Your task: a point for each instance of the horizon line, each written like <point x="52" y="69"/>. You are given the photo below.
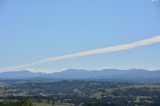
<point x="121" y="47"/>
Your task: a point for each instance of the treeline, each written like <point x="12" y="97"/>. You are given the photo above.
<point x="23" y="102"/>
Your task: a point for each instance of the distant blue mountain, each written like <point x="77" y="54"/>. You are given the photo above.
<point x="132" y="75"/>
<point x="23" y="74"/>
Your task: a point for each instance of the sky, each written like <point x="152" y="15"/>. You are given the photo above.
<point x="36" y="30"/>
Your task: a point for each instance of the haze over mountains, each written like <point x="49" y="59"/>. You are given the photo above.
<point x="132" y="75"/>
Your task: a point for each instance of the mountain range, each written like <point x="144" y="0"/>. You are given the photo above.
<point x="132" y="75"/>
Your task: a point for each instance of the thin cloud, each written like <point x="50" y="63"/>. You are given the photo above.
<point x="122" y="47"/>
<point x="155" y="0"/>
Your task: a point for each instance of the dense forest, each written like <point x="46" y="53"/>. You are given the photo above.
<point x="78" y="93"/>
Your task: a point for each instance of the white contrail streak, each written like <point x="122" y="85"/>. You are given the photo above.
<point x="122" y="47"/>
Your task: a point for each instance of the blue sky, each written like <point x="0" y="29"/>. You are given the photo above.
<point x="37" y="29"/>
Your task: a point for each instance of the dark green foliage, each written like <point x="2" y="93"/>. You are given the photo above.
<point x="24" y="103"/>
<point x="86" y="93"/>
<point x="18" y="103"/>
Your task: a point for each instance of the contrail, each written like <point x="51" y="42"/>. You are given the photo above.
<point x="122" y="47"/>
